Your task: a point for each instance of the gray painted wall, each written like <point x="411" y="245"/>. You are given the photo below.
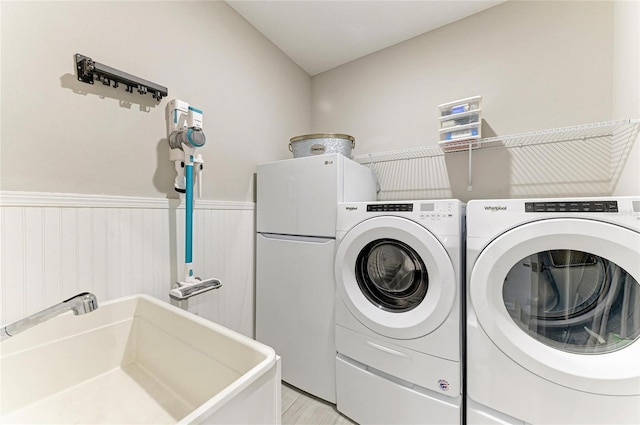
<point x="537" y="64"/>
<point x="62" y="135"/>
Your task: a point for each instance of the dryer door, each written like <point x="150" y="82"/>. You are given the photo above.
<point x="395" y="277"/>
<point x="561" y="298"/>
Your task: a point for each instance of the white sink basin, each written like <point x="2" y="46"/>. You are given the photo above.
<point x="137" y="360"/>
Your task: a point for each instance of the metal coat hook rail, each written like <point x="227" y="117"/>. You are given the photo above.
<point x="89" y="71"/>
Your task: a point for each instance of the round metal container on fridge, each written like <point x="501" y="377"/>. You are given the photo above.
<point x="319" y="144"/>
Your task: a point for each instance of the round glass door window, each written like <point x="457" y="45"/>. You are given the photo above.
<point x="391" y="275"/>
<point x="574" y="301"/>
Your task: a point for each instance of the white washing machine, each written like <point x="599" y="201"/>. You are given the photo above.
<point x="399" y="285"/>
<point x="553" y="317"/>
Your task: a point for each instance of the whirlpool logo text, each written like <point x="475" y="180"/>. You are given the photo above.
<point x="495" y="208"/>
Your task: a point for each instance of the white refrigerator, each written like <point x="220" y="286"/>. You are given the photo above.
<point x="295" y="248"/>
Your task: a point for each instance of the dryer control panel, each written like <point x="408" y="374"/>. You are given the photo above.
<point x="572" y="206"/>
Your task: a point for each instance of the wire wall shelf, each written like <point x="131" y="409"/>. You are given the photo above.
<point x="566" y="158"/>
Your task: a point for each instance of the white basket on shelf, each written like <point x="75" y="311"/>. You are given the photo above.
<point x="460" y="124"/>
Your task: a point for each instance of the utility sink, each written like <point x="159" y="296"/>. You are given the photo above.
<point x="137" y="360"/>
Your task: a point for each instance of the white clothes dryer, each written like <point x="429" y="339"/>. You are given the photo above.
<point x="553" y="317"/>
<point x="399" y="287"/>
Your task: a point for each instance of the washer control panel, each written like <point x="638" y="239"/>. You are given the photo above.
<point x="389" y="207"/>
<point x="572" y="206"/>
<point x="440" y="210"/>
<point x="427" y="210"/>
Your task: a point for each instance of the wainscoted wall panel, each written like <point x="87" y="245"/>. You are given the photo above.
<point x="232" y="262"/>
<point x="57" y="245"/>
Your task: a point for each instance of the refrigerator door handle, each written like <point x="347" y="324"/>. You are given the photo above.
<point x="296" y="238"/>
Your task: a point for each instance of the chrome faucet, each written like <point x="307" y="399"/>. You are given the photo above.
<point x="79" y="304"/>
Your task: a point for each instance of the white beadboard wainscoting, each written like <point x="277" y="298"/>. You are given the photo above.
<point x="54" y="246"/>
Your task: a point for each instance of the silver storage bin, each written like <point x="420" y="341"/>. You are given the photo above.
<point x="318" y="144"/>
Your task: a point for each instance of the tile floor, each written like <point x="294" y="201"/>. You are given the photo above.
<point x="299" y="407"/>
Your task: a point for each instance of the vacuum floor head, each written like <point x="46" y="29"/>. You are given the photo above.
<point x="186" y="290"/>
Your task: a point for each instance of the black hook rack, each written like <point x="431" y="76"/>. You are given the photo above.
<point x="88" y="71"/>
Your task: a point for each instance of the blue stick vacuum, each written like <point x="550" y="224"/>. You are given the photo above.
<point x="185" y="136"/>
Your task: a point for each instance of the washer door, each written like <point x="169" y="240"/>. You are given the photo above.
<point x="561" y="298"/>
<point x="395" y="277"/>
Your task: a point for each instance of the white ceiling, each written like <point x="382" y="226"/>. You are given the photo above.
<point x="322" y="34"/>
